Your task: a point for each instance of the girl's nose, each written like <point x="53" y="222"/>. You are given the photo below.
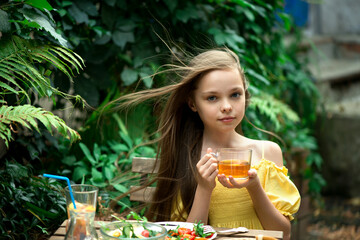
<point x="226" y="107"/>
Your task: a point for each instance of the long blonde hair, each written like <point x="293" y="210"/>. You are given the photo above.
<point x="181" y="130"/>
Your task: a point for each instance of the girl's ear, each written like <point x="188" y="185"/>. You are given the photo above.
<point x="192" y="105"/>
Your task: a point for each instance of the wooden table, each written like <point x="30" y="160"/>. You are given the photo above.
<point x="60" y="233"/>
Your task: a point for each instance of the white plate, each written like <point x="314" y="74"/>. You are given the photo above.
<point x="173" y="225"/>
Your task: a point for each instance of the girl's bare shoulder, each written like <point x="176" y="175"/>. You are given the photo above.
<point x="268" y="150"/>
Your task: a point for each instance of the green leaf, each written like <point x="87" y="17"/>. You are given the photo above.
<point x="121" y="188"/>
<point x="125" y="25"/>
<point x="88" y="7"/>
<point x="97" y="152"/>
<point x="121" y="38"/>
<point x="146" y="79"/>
<point x="120" y="148"/>
<point x="286" y="20"/>
<point x="129" y="76"/>
<point x="111" y="2"/>
<point x="249" y="15"/>
<point x="3" y="85"/>
<point x="70" y="58"/>
<point x="227" y="37"/>
<point x="44" y="22"/>
<point x="40" y="4"/>
<point x="96" y="175"/>
<point x="66" y="3"/>
<point x="171" y="4"/>
<point x="79" y="172"/>
<point x="245" y="4"/>
<point x="5" y="25"/>
<point x="185" y="14"/>
<point x="79" y="15"/>
<point x="127" y="139"/>
<point x="98" y="183"/>
<point x="69" y="160"/>
<point x="273" y="108"/>
<point x="120" y="123"/>
<point x="108" y="172"/>
<point x="87" y="153"/>
<point x="257" y="76"/>
<point x="145" y="74"/>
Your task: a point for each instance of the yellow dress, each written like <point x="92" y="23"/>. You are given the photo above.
<point x="233" y="207"/>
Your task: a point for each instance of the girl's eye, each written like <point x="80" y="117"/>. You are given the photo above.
<point x="235" y="95"/>
<point x="211" y="98"/>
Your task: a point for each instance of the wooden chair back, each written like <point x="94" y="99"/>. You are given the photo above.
<point x="144" y="166"/>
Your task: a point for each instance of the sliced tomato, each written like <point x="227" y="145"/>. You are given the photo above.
<point x="188" y="236"/>
<point x="145" y="233"/>
<point x="183" y="231"/>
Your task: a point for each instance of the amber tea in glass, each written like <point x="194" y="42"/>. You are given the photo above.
<point x="234" y="162"/>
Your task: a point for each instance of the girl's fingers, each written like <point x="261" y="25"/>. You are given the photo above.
<point x="206" y="157"/>
<point x="207" y="166"/>
<point x="208" y="169"/>
<point x="231" y="182"/>
<point x="214" y="174"/>
<point x="238" y="183"/>
<point x="252" y="173"/>
<point x="223" y="180"/>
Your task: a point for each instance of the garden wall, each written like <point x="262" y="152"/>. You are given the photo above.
<point x="339" y="143"/>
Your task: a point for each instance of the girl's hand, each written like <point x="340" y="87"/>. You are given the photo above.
<point x="252" y="181"/>
<point x="207" y="169"/>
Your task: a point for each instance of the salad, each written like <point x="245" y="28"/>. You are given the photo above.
<point x="140" y="228"/>
<point x="131" y="230"/>
<point x="143" y="229"/>
<point x="183" y="233"/>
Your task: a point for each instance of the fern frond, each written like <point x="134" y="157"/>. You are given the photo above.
<point x="72" y="56"/>
<point x="27" y="115"/>
<point x="26" y="71"/>
<point x="49" y="57"/>
<point x="6" y="86"/>
<point x="18" y="59"/>
<point x="273" y="108"/>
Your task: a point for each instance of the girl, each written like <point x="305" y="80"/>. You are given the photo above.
<point x="202" y="113"/>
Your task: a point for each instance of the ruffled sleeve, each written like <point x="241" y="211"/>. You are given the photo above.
<point x="281" y="191"/>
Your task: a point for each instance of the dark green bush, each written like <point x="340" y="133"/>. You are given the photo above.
<point x="30" y="206"/>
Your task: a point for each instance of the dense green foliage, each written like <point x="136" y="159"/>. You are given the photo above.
<point x="29" y="205"/>
<point x="122" y="43"/>
<point x="25" y="67"/>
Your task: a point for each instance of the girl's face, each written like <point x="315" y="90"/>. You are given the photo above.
<point x="220" y="100"/>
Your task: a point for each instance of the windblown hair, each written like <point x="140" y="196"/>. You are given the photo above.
<point x="181" y="131"/>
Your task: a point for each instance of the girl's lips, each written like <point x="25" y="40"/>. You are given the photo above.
<point x="227" y="119"/>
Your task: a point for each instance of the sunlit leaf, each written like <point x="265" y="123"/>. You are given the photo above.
<point x="46" y="23"/>
<point x="129" y="76"/>
<point x="40" y="4"/>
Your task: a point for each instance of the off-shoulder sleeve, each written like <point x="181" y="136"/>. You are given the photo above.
<point x="281" y="191"/>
